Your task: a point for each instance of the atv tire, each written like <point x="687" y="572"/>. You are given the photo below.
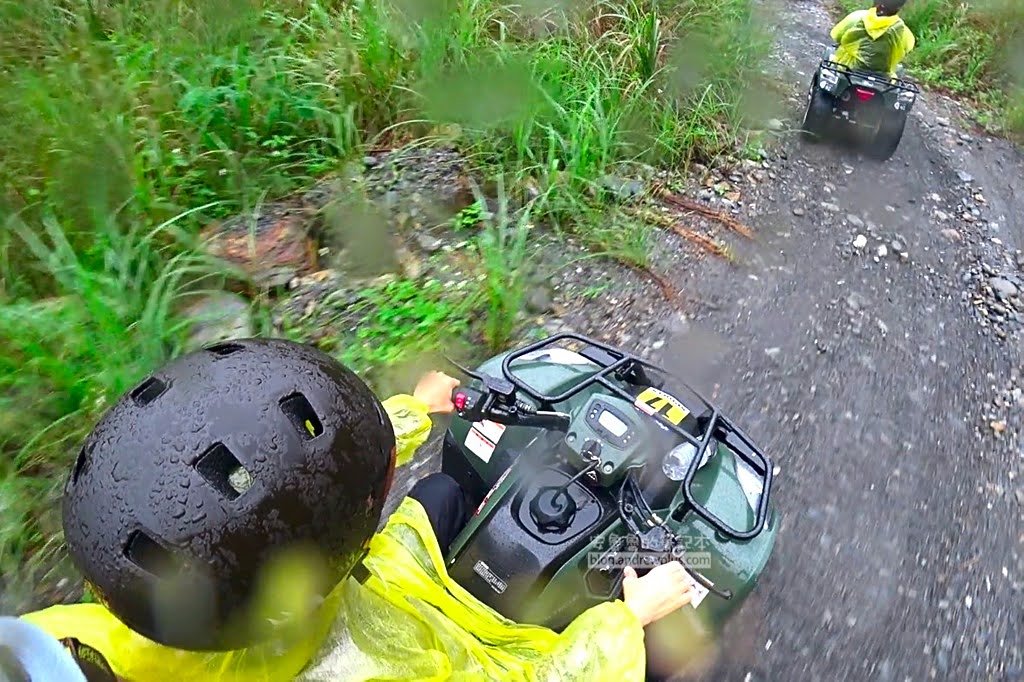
<point x="888" y="137"/>
<point x="819" y="112"/>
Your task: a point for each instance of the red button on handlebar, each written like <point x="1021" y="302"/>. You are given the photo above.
<point x="460" y="401"/>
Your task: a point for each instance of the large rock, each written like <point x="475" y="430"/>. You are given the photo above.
<point x="359" y="239"/>
<point x="415" y="186"/>
<point x="217" y="316"/>
<point x="272" y="246"/>
<point x="1003" y="288"/>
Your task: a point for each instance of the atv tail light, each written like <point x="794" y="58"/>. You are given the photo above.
<point x="460" y="401"/>
<point x="863" y="94"/>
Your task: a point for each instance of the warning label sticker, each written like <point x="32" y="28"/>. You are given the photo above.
<point x="490" y="577"/>
<point x="483" y="438"/>
<point x="492" y="431"/>
<point x="699" y="591"/>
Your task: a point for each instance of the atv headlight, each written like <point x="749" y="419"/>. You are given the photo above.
<point x="751" y="482"/>
<point x="677" y="461"/>
<point x="828" y="79"/>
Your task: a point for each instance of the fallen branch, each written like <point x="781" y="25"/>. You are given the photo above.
<point x="705" y="242"/>
<point x="666" y="222"/>
<point x="690" y="205"/>
<point x="667" y="290"/>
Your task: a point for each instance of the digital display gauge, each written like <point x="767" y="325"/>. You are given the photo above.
<point x="614" y="425"/>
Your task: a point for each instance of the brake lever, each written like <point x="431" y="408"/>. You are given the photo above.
<point x="468" y="372"/>
<point x="497" y="385"/>
<point x="705" y="582"/>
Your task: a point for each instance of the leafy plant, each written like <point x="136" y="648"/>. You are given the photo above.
<point x="400" y="319"/>
<point x="596" y="290"/>
<point x="504" y="258"/>
<point x="470" y="216"/>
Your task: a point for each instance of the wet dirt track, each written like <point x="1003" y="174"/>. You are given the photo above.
<point x="902" y="551"/>
<point x="901" y="555"/>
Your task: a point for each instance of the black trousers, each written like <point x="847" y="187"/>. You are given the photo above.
<point x="442" y="499"/>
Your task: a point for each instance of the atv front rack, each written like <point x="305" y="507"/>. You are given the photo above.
<point x="633" y="370"/>
<point x="885" y="83"/>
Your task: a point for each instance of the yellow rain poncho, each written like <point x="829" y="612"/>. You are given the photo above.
<point x="872" y="43"/>
<point x="407" y="621"/>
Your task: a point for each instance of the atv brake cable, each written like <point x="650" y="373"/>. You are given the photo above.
<point x="627" y="509"/>
<point x="582" y="472"/>
<point x="649" y="516"/>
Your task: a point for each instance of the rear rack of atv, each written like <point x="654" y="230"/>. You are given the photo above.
<point x="628" y="368"/>
<point x="887" y="83"/>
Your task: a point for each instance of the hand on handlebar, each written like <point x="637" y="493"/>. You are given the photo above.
<point x="657" y="594"/>
<point x="435" y="391"/>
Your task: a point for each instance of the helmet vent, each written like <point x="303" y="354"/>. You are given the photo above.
<point x="224" y="472"/>
<point x="302" y="416"/>
<point x="149" y="555"/>
<point x="80" y="462"/>
<point x="148" y="391"/>
<point x="226" y="348"/>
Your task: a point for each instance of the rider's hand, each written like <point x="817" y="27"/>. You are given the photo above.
<point x="435" y="391"/>
<point x="659" y="593"/>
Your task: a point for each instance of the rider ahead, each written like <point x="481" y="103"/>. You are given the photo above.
<point x="224" y="514"/>
<point x="874" y="39"/>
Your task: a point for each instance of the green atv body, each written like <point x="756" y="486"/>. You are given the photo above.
<point x="524" y="556"/>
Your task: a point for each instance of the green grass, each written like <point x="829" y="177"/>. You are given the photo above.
<point x="391" y="322"/>
<point x="128" y="127"/>
<point x="970" y="49"/>
<point x="64" y="358"/>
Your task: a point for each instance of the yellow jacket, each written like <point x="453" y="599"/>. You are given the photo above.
<point x="408" y="621"/>
<point x="872" y="43"/>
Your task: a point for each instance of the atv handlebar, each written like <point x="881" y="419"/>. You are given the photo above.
<point x="498" y="402"/>
<point x="503" y="408"/>
<point x="474" y="406"/>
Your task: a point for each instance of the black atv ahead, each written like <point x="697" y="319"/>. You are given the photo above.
<point x="871" y="106"/>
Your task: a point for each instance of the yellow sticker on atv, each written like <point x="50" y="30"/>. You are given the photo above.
<point x="655" y="401"/>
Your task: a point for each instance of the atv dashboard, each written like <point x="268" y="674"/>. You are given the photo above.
<point x="607" y="436"/>
<point x="605" y="432"/>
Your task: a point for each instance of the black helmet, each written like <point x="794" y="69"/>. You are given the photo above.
<point x="890" y="7"/>
<point x="212" y="467"/>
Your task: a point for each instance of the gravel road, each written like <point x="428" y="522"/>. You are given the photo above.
<point x="888" y="388"/>
<point x="869" y="339"/>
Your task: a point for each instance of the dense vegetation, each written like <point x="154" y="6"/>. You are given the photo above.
<point x="973" y="49"/>
<point x="128" y="126"/>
